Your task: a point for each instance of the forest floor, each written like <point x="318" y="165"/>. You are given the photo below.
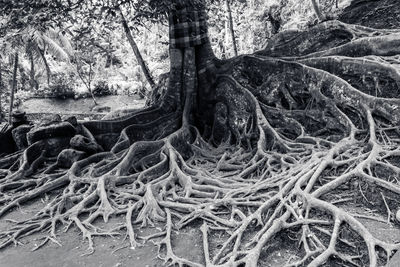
<point x="115" y="251"/>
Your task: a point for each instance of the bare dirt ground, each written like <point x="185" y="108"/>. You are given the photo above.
<point x="115" y="251"/>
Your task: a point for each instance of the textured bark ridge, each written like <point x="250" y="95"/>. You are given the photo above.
<point x="300" y="132"/>
<point x="378" y="14"/>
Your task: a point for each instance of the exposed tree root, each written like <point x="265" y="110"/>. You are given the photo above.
<point x="305" y="132"/>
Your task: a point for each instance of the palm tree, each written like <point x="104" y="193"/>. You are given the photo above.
<point x="28" y="48"/>
<point x="51" y="42"/>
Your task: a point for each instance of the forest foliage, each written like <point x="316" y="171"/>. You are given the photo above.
<point x="71" y="48"/>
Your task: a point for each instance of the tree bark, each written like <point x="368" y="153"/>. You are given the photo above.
<point x="274" y="18"/>
<point x="289" y="137"/>
<point x="46" y="64"/>
<point x="136" y="51"/>
<point x="230" y="24"/>
<point x="14" y="87"/>
<point x="1" y="91"/>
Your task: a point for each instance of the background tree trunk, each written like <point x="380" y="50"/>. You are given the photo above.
<point x="1" y="91"/>
<point x="318" y="12"/>
<point x="226" y="39"/>
<point x="32" y="71"/>
<point x="136" y="51"/>
<point x="230" y="25"/>
<point x="14" y="87"/>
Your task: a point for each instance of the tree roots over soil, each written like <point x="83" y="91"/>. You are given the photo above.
<point x="294" y="142"/>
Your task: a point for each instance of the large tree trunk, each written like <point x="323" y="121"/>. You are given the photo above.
<point x="136" y="51"/>
<point x="13" y="87"/>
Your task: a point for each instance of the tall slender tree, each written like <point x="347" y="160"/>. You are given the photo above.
<point x="13" y="87"/>
<point x="136" y="50"/>
<point x="317" y="10"/>
<point x="229" y="22"/>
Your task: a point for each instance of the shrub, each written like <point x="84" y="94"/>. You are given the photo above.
<point x="102" y="88"/>
<point x="62" y="86"/>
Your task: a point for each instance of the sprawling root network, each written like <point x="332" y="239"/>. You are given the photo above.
<point x="315" y="135"/>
